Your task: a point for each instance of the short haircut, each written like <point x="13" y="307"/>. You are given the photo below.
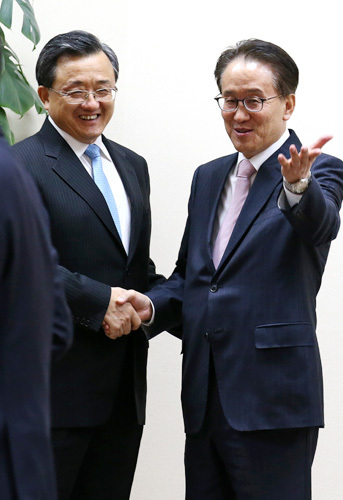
<point x="73" y="43"/>
<point x="284" y="69"/>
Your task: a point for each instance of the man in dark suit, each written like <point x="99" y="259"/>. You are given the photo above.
<point x="35" y="325"/>
<point x="252" y="382"/>
<point x="102" y="235"/>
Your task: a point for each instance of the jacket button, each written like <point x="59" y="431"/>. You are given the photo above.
<point x="206" y="336"/>
<point x="214" y="288"/>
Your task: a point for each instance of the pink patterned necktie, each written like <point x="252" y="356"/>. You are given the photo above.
<point x="245" y="171"/>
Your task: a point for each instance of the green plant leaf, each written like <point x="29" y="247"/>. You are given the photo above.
<point x="6" y="62"/>
<point x="6" y="11"/>
<point x="30" y="26"/>
<point x="2" y="61"/>
<point x="6" y="48"/>
<point x="5" y="127"/>
<point x="15" y="91"/>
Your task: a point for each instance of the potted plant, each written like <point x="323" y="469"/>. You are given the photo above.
<point x="15" y="91"/>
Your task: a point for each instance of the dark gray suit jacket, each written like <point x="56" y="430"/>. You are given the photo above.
<point x="86" y="381"/>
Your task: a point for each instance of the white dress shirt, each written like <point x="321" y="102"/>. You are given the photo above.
<point x="113" y="177"/>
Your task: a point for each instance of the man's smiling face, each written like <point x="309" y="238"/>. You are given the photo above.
<point x="251" y="133"/>
<point x="86" y="121"/>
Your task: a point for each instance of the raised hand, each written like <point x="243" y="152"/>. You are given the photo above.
<point x="299" y="164"/>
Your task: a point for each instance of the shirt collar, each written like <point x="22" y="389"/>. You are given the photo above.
<point x="77" y="146"/>
<point x="260" y="158"/>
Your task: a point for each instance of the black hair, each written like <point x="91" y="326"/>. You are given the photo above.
<point x="285" y="71"/>
<point x="73" y="43"/>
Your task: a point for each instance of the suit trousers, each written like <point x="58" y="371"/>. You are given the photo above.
<point x="99" y="462"/>
<point x="222" y="463"/>
<point x="95" y="463"/>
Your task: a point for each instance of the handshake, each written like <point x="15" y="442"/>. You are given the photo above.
<point x="126" y="311"/>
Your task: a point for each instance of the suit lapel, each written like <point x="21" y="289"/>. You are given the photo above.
<point x="212" y="195"/>
<point x="66" y="165"/>
<point x="267" y="179"/>
<point x="133" y="190"/>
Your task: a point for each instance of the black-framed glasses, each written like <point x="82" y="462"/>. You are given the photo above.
<point x="80" y="96"/>
<point x="253" y="104"/>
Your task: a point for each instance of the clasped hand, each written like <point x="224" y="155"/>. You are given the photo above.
<point x="126" y="311"/>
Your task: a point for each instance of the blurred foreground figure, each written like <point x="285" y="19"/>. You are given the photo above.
<point x="35" y="326"/>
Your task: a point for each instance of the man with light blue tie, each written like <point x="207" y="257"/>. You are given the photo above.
<point x="97" y="195"/>
<point x="260" y="223"/>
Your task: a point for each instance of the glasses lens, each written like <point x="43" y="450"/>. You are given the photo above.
<point x="253" y="104"/>
<point x="76" y="96"/>
<point x="227" y="103"/>
<point x="102" y="95"/>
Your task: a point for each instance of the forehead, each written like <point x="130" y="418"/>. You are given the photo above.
<point x="84" y="69"/>
<point x="248" y="76"/>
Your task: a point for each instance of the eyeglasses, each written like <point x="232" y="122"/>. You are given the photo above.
<point x="253" y="104"/>
<point x="80" y="96"/>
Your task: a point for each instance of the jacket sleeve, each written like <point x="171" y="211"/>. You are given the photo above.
<point x="62" y="321"/>
<point x="316" y="217"/>
<point x="88" y="299"/>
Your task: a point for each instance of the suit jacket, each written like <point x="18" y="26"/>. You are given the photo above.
<point x="34" y="324"/>
<point x="86" y="381"/>
<point x="256" y="312"/>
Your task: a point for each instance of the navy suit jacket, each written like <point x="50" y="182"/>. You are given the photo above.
<point x="35" y="324"/>
<point x="92" y="259"/>
<point x="257" y="311"/>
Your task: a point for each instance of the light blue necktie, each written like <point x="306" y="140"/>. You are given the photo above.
<point x="100" y="179"/>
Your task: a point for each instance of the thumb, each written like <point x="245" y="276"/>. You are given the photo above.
<point x="126" y="296"/>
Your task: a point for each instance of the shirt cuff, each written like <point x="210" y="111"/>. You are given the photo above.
<point x="287" y="199"/>
<point x="149" y="323"/>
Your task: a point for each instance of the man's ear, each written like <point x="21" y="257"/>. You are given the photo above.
<point x="289" y="106"/>
<point x="43" y="93"/>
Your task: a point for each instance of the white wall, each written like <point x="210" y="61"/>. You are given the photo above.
<point x="165" y="111"/>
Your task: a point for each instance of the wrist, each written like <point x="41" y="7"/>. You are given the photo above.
<point x="149" y="317"/>
<point x="299" y="186"/>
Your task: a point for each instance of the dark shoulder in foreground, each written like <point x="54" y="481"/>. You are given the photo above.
<point x="13" y="175"/>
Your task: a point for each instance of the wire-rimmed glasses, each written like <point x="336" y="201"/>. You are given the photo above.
<point x="81" y="96"/>
<point x="252" y="104"/>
